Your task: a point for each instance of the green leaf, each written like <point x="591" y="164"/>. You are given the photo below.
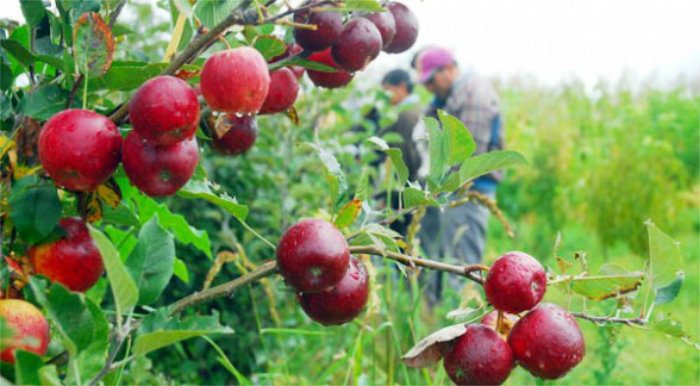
<point x="437" y="147"/>
<point x="665" y="259"/>
<point x="348" y="214"/>
<point x="27" y="367"/>
<point x="93" y="45"/>
<point x="667" y="293"/>
<point x="43" y="102"/>
<point x="396" y="158"/>
<point x="488" y="162"/>
<point x="336" y="178"/>
<point x="71" y="316"/>
<point x="269" y="46"/>
<point x="124" y="289"/>
<point x="460" y="143"/>
<point x="213" y="12"/>
<point x="401" y="169"/>
<point x="17" y="50"/>
<point x="309" y="64"/>
<point x="174" y="222"/>
<point x="151" y="262"/>
<point x="362" y="192"/>
<point x="49" y="376"/>
<point x="362" y="5"/>
<point x="33" y="11"/>
<point x="158" y="330"/>
<point x="612" y="282"/>
<point x="206" y="190"/>
<point x="181" y="271"/>
<point x="413" y="196"/>
<point x="34" y="208"/>
<point x="91" y="360"/>
<point x="670" y="327"/>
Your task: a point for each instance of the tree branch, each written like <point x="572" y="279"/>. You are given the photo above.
<point x="225" y="289"/>
<point x="610" y="319"/>
<point x="468" y="271"/>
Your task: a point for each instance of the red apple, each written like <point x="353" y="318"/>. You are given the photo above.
<point x="29" y="326"/>
<point x="335" y="79"/>
<point x="159" y="170"/>
<point x="328" y="24"/>
<point x="313" y="255"/>
<point x="239" y="137"/>
<point x="165" y="110"/>
<point x="547" y="342"/>
<point x="385" y="23"/>
<point x="343" y="302"/>
<point x="284" y="88"/>
<point x="406" y="28"/>
<point x="358" y="44"/>
<point x="79" y="149"/>
<point x="479" y="357"/>
<point x="235" y="81"/>
<point x="516" y="282"/>
<point x="73" y="260"/>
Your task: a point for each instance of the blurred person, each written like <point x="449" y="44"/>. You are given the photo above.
<point x="399" y="85"/>
<point x="459" y="233"/>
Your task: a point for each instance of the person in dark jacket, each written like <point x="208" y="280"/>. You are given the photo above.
<point x="459" y="233"/>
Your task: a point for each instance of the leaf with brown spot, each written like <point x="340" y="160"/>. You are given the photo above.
<point x="27" y="139"/>
<point x="89" y="206"/>
<point x="93" y="45"/>
<point x="293" y="114"/>
<point x="109" y="193"/>
<point x="348" y="213"/>
<point x="431" y="348"/>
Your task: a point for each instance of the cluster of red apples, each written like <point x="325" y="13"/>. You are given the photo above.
<point x="332" y="286"/>
<point x="81" y="149"/>
<point x="546" y="340"/>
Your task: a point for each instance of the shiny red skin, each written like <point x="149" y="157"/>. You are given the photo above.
<point x="29" y="326"/>
<point x="165" y="110"/>
<point x="235" y="81"/>
<point x="159" y="170"/>
<point x="547" y="342"/>
<point x="336" y="79"/>
<point x="79" y="149"/>
<point x="516" y="282"/>
<point x="385" y="23"/>
<point x="239" y="138"/>
<point x="479" y="357"/>
<point x="292" y="49"/>
<point x="342" y="303"/>
<point x="312" y="255"/>
<point x="284" y="88"/>
<point x="358" y="44"/>
<point x="507" y="322"/>
<point x="329" y="25"/>
<point x="406" y="28"/>
<point x="73" y="260"/>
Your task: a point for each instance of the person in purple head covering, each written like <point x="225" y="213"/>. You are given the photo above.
<point x="459" y="233"/>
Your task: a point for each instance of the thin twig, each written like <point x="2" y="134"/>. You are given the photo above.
<point x="115" y="13"/>
<point x="225" y="289"/>
<point x="468" y="271"/>
<point x="610" y="319"/>
<point x="76" y="85"/>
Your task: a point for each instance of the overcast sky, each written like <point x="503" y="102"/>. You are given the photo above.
<point x="553" y="40"/>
